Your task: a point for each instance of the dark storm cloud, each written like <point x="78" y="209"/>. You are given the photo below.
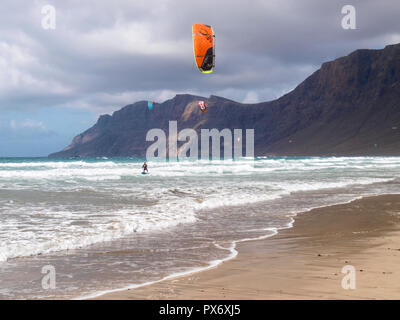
<point x="105" y="54"/>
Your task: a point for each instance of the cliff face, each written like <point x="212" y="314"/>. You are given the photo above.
<point x="350" y="106"/>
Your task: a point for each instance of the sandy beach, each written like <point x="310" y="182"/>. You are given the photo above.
<point x="304" y="262"/>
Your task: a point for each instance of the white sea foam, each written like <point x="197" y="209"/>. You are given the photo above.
<point x="49" y="206"/>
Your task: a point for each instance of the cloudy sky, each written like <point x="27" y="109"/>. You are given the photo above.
<point x="103" y="55"/>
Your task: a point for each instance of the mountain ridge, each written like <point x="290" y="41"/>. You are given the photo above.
<point x="348" y="107"/>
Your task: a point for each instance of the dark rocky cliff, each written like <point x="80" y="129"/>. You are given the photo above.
<point x="350" y="106"/>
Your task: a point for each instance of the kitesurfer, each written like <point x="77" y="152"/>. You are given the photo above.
<point x="145" y="167"/>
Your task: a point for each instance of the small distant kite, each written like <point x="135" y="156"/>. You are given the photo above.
<point x="150" y="104"/>
<point x="203" y="47"/>
<point x="202" y="106"/>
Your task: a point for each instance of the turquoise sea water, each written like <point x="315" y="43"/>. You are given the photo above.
<point x="104" y="226"/>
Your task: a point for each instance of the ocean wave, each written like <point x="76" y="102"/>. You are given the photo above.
<point x="50" y="206"/>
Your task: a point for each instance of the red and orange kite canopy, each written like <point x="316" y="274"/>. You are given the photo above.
<point x="202" y="106"/>
<point x="203" y="47"/>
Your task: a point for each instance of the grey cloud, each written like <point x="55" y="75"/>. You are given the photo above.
<point x="24" y="130"/>
<point x="105" y="53"/>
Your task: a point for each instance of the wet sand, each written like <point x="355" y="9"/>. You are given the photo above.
<point x="304" y="262"/>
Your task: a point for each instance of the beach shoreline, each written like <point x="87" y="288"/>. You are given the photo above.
<point x="302" y="262"/>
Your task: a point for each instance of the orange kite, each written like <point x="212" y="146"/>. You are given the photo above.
<point x="203" y="47"/>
